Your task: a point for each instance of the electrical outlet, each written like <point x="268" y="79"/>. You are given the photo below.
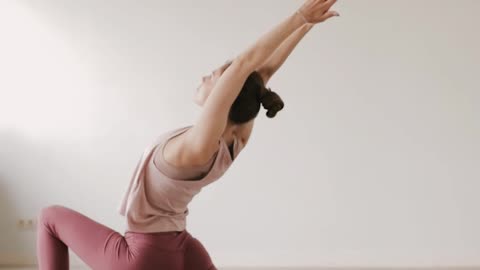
<point x="27" y="224"/>
<point x="30" y="225"/>
<point x="20" y="224"/>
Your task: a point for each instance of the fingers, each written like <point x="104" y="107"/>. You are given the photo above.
<point x="328" y="15"/>
<point x="319" y="10"/>
<point x="328" y="4"/>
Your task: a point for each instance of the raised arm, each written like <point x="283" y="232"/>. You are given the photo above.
<point x="278" y="58"/>
<point x="281" y="54"/>
<point x="204" y="136"/>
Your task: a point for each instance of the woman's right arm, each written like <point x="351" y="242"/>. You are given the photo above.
<point x="260" y="51"/>
<point x="313" y="11"/>
<point x="204" y="136"/>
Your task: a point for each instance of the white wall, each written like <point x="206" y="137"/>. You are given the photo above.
<point x="373" y="161"/>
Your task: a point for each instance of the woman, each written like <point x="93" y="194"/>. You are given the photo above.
<point x="178" y="164"/>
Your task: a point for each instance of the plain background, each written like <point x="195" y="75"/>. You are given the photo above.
<point x="374" y="159"/>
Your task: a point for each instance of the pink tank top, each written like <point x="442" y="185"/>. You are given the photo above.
<point x="157" y="197"/>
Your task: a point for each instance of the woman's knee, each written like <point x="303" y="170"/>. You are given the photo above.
<point x="48" y="213"/>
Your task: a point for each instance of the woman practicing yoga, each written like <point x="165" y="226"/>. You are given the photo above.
<point x="179" y="163"/>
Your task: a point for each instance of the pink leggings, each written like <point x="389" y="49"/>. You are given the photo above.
<point x="101" y="248"/>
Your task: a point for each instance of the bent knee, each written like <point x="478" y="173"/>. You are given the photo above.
<point x="48" y="213"/>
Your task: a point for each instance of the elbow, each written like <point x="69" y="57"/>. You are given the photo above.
<point x="243" y="59"/>
<point x="250" y="59"/>
<point x="255" y="56"/>
<point x="244" y="63"/>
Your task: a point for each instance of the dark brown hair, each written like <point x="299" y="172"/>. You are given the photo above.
<point x="253" y="94"/>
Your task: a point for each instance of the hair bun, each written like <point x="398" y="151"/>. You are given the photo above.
<point x="272" y="102"/>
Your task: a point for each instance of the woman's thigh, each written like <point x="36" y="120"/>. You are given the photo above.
<point x="100" y="247"/>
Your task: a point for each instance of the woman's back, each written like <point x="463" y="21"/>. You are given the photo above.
<point x="159" y="193"/>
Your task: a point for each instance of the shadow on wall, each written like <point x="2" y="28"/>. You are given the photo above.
<point x="38" y="173"/>
<point x="15" y="238"/>
<point x="17" y="201"/>
<point x="10" y="239"/>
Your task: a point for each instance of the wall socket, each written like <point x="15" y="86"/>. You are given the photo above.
<point x="27" y="224"/>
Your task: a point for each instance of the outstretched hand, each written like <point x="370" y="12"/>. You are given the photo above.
<point x="316" y="11"/>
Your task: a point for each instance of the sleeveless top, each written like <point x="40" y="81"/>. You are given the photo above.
<point x="157" y="196"/>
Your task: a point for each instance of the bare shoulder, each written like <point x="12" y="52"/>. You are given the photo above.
<point x="176" y="152"/>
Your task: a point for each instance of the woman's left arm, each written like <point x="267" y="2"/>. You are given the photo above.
<point x="276" y="60"/>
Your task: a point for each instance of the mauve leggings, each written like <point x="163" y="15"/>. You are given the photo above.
<point x="102" y="248"/>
